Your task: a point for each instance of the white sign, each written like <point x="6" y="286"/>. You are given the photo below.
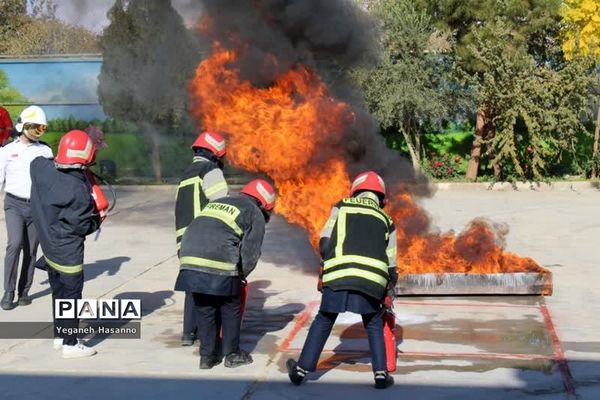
<point x="98" y="309"/>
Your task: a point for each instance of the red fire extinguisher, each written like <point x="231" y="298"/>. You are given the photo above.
<point x="100" y="200"/>
<point x="389" y="339"/>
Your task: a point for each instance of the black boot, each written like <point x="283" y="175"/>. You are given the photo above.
<point x="187" y="339"/>
<point x="209" y="362"/>
<point x="7" y="300"/>
<point x="24" y="299"/>
<point x="238" y="359"/>
<point x="383" y="380"/>
<point x="295" y="373"/>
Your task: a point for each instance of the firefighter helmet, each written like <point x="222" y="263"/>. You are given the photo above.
<point x="368" y="181"/>
<point x="212" y="141"/>
<point x="75" y="147"/>
<point x="262" y="191"/>
<point x="31" y="115"/>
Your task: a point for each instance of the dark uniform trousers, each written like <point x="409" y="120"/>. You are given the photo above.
<point x="65" y="287"/>
<point x="332" y="304"/>
<point x="22" y="235"/>
<point x="212" y="311"/>
<point x="189" y="322"/>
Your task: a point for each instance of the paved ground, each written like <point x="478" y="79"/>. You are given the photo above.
<point x="452" y="347"/>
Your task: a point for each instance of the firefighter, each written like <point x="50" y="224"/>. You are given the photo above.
<point x="15" y="160"/>
<point x="218" y="251"/>
<point x="358" y="274"/>
<point x="64" y="213"/>
<point x="201" y="182"/>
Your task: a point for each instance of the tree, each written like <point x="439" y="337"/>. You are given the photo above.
<point x="12" y="17"/>
<point x="40" y="32"/>
<point x="9" y="94"/>
<point x="406" y="91"/>
<point x="533" y="27"/>
<point x="534" y="110"/>
<point x="51" y="36"/>
<point x="581" y="37"/>
<point x="581" y="28"/>
<point x="148" y="58"/>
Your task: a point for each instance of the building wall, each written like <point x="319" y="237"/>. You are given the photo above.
<point x="64" y="86"/>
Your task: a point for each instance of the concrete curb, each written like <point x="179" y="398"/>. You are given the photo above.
<point x="580" y="186"/>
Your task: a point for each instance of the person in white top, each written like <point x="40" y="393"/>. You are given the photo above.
<point x="15" y="158"/>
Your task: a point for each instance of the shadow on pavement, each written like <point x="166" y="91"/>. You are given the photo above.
<point x="110" y="266"/>
<point x="259" y="320"/>
<point x="151" y="301"/>
<point x="523" y="385"/>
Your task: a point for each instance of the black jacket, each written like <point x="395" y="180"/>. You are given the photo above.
<point x="63" y="213"/>
<point x="355" y="256"/>
<point x="221" y="246"/>
<point x="191" y="197"/>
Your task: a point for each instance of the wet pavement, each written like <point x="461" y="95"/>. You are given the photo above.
<point x="485" y="347"/>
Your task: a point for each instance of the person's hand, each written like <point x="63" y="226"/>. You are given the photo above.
<point x="320" y="281"/>
<point x="388" y="300"/>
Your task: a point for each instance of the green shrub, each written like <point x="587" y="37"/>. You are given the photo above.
<point x="131" y="154"/>
<point x="444" y="166"/>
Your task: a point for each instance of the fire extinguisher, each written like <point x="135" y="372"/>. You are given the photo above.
<point x="101" y="203"/>
<point x="389" y="339"/>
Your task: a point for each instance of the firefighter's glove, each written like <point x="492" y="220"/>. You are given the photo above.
<point x="320" y="282"/>
<point x="388" y="300"/>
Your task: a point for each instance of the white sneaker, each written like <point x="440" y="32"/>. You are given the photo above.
<point x="77" y="351"/>
<point x="57" y="344"/>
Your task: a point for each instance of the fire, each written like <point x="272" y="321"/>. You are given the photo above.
<point x="278" y="130"/>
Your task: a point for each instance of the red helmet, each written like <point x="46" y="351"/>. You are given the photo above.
<point x="262" y="191"/>
<point x="212" y="141"/>
<point x="75" y="147"/>
<point x="368" y="181"/>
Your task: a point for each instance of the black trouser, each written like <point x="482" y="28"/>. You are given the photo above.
<point x="22" y="235"/>
<point x="208" y="309"/>
<point x="65" y="287"/>
<point x="321" y="328"/>
<point x="190" y="325"/>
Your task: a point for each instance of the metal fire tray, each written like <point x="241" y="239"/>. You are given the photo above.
<point x="512" y="283"/>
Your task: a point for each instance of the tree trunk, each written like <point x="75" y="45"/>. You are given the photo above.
<point x="490" y="132"/>
<point x="473" y="166"/>
<point x="596" y="149"/>
<point x="414" y="152"/>
<point x="153" y="136"/>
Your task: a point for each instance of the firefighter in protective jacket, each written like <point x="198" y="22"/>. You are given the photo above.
<point x="201" y="182"/>
<point x="218" y="251"/>
<point x="64" y="213"/>
<point x="358" y="249"/>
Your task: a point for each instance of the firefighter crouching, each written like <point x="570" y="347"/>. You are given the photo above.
<point x="218" y="251"/>
<point x="358" y="249"/>
<point x="201" y="182"/>
<point x="64" y="213"/>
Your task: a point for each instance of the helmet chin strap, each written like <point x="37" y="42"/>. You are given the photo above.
<point x="32" y="137"/>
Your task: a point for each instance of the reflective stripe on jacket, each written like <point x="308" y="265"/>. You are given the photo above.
<point x="224" y="241"/>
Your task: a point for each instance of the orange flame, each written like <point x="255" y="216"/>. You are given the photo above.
<point x="277" y="130"/>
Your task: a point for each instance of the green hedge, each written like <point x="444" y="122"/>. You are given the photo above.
<point x="131" y="154"/>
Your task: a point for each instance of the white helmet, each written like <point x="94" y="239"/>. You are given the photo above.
<point x="32" y="115"/>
